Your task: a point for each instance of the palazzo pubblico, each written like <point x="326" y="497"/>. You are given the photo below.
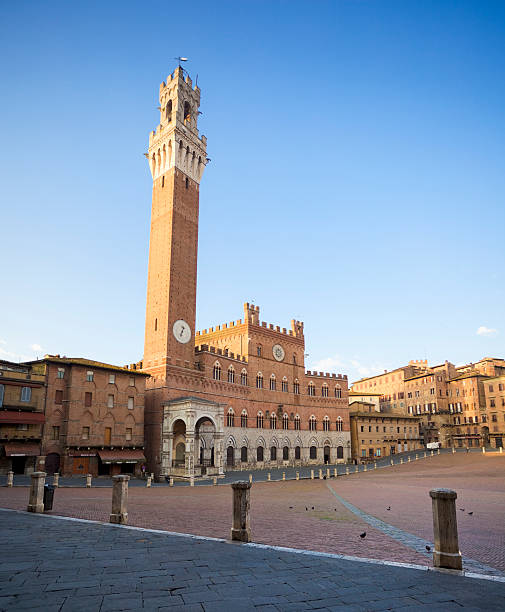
<point x="235" y="395"/>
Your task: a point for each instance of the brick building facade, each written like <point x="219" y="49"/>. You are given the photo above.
<point x="236" y="394"/>
<point x="451" y="401"/>
<point x="22" y="397"/>
<point x="94" y="417"/>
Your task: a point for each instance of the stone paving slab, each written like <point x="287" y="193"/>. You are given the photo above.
<point x="188" y="573"/>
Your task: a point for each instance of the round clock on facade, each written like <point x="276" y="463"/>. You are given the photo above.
<point x="182" y="331"/>
<point x="278" y="352"/>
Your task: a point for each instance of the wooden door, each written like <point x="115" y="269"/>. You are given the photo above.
<point x="107" y="436"/>
<point x="80" y="465"/>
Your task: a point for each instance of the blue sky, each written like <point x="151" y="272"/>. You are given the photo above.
<point x="357" y="179"/>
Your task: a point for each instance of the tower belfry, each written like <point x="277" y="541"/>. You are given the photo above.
<point x="177" y="159"/>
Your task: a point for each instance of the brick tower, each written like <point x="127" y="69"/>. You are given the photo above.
<point x="177" y="158"/>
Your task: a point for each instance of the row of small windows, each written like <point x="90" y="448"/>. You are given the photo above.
<point x="311" y="390"/>
<point x="260" y="453"/>
<point x="25" y="395"/>
<point x="284" y="421"/>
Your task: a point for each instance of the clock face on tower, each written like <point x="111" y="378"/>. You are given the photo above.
<point x="278" y="352"/>
<point x="182" y="331"/>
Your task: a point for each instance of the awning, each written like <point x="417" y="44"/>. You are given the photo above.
<point x="25" y="418"/>
<point x="18" y="449"/>
<point x="121" y="456"/>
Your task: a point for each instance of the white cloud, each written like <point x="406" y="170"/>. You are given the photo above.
<point x="486" y="331"/>
<point x="2" y="341"/>
<point x="36" y="348"/>
<point x="329" y="364"/>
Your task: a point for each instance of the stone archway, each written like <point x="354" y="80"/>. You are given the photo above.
<point x="192" y="438"/>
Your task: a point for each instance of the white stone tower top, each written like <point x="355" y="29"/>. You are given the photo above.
<point x="176" y="142"/>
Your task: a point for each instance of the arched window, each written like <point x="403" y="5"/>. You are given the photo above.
<point x="285" y="421"/>
<point x="243" y="419"/>
<point x="273" y="382"/>
<point x="259" y="380"/>
<point x="243" y="377"/>
<point x="338" y="391"/>
<point x="231" y="375"/>
<point x="340" y="452"/>
<point x="340" y="423"/>
<point x="296" y="387"/>
<point x="312" y="423"/>
<point x="187" y="113"/>
<point x="298" y="452"/>
<point x="326" y="423"/>
<point x="168" y="111"/>
<point x="313" y="452"/>
<point x="243" y="454"/>
<point x="259" y="350"/>
<point x="273" y="421"/>
<point x="311" y="389"/>
<point x="216" y="372"/>
<point x="273" y="453"/>
<point x="259" y="453"/>
<point x="285" y="453"/>
<point x="324" y="390"/>
<point x="259" y="420"/>
<point x="297" y="422"/>
<point x="285" y="387"/>
<point x="230" y="417"/>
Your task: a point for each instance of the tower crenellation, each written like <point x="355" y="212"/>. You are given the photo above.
<point x="176" y="142"/>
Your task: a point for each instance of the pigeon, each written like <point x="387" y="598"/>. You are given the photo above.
<point x="470" y="513"/>
<point x="291" y="507"/>
<point x="388" y="508"/>
<point x="312" y="507"/>
<point x="362" y="535"/>
<point x="428" y="548"/>
<point x="462" y="509"/>
<point x="306" y="509"/>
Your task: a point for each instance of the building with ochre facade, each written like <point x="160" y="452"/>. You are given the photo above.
<point x="235" y="395"/>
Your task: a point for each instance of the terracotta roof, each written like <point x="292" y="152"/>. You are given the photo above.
<point x="18" y="449"/>
<point x="89" y="363"/>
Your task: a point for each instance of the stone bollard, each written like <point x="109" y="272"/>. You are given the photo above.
<point x="425" y="454"/>
<point x="453" y="450"/>
<point x="214" y="480"/>
<point x="191" y="481"/>
<point x="501" y="449"/>
<point x="312" y="474"/>
<point x="88" y="481"/>
<point x="10" y="479"/>
<point x="268" y="476"/>
<point x="320" y="474"/>
<point x="432" y="453"/>
<point x="438" y="451"/>
<point x="483" y="450"/>
<point x="408" y="459"/>
<point x="375" y="465"/>
<point x="417" y="456"/>
<point x="119" y="512"/>
<point x="283" y="475"/>
<point x="392" y="462"/>
<point x="356" y="469"/>
<point x="297" y="475"/>
<point x="401" y="460"/>
<point x="148" y="482"/>
<point x="56" y="480"/>
<point x="365" y="468"/>
<point x="250" y="478"/>
<point x="347" y="471"/>
<point x="241" y="529"/>
<point x="36" y="501"/>
<point x="335" y="472"/>
<point x="445" y="529"/>
<point x="171" y="482"/>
